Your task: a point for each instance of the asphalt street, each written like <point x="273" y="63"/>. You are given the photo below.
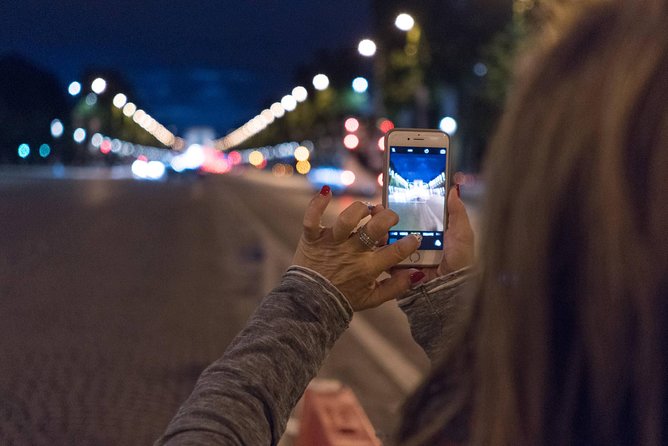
<point x="115" y="294"/>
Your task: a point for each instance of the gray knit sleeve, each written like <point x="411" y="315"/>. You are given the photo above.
<point x="434" y="310"/>
<point x="246" y="396"/>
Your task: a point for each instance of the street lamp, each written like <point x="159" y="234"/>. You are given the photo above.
<point x="404" y="22"/>
<point x="320" y="82"/>
<point x="74" y="88"/>
<point x="367" y="47"/>
<point x="360" y="85"/>
<point x="99" y="85"/>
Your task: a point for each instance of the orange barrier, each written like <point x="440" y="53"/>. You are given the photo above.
<point x="332" y="416"/>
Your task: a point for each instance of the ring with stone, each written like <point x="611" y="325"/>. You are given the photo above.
<point x="366" y="240"/>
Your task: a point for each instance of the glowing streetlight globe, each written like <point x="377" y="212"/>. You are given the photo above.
<point x="360" y="85"/>
<point x="288" y="102"/>
<point x="57" y="128"/>
<point x="99" y="85"/>
<point x="120" y="100"/>
<point x="448" y="125"/>
<point x="301" y="153"/>
<point x="404" y="22"/>
<point x="367" y="47"/>
<point x="277" y="109"/>
<point x="79" y="135"/>
<point x="74" y="88"/>
<point x="299" y="93"/>
<point x="320" y="82"/>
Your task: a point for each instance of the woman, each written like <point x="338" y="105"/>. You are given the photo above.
<point x="564" y="339"/>
<point x="566" y="342"/>
<point x="245" y="397"/>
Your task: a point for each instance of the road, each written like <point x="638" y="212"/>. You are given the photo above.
<point x="115" y="294"/>
<point x="420" y="216"/>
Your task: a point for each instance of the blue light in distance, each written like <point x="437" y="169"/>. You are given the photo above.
<point x="24" y="150"/>
<point x="44" y="150"/>
<point x="74" y="88"/>
<point x="360" y="85"/>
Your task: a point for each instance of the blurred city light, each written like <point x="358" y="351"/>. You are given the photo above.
<point x="380" y="179"/>
<point x="360" y="85"/>
<point x="256" y="158"/>
<point x="129" y="109"/>
<point x="138" y="116"/>
<point x="268" y="116"/>
<point x="106" y="146"/>
<point x="96" y="140"/>
<point x="288" y="102"/>
<point x="303" y="167"/>
<point x="155" y="170"/>
<point x="351" y="124"/>
<point x="79" y="135"/>
<point x="74" y="88"/>
<point x="347" y="177"/>
<point x="98" y="85"/>
<point x="57" y="128"/>
<point x="381" y="143"/>
<point x="277" y="109"/>
<point x="302" y="153"/>
<point x="320" y="82"/>
<point x="385" y="125"/>
<point x="234" y="157"/>
<point x="367" y="48"/>
<point x="120" y="100"/>
<point x="448" y="125"/>
<point x="91" y="99"/>
<point x="404" y="22"/>
<point x="351" y="142"/>
<point x="24" y="150"/>
<point x="44" y="150"/>
<point x="300" y="93"/>
<point x="480" y="69"/>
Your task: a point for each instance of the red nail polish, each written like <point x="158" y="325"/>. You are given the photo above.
<point x="325" y="190"/>
<point x="416" y="276"/>
<point x="459" y="192"/>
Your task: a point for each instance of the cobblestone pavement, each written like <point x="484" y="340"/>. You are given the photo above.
<point x="110" y="306"/>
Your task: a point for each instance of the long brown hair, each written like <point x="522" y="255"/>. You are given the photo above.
<point x="567" y="338"/>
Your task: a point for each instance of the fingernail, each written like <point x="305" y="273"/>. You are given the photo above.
<point x="459" y="192"/>
<point x="416" y="276"/>
<point x="325" y="190"/>
<point x="418" y="237"/>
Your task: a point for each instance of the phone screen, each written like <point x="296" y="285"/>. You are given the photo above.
<point x="416" y="192"/>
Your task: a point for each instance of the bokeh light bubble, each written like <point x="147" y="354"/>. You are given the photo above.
<point x="288" y="102"/>
<point x="57" y="128"/>
<point x="277" y="109"/>
<point x="120" y="100"/>
<point x="320" y="82"/>
<point x="360" y="85"/>
<point x="404" y="22"/>
<point x="300" y="93"/>
<point x="24" y="151"/>
<point x="367" y="47"/>
<point x="98" y="85"/>
<point x="74" y="88"/>
<point x="448" y="125"/>
<point x="79" y="135"/>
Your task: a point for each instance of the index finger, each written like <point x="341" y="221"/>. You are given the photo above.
<point x="313" y="214"/>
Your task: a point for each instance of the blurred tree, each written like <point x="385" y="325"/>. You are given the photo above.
<point x="30" y="98"/>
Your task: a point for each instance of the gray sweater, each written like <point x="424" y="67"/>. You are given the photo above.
<point x="246" y="396"/>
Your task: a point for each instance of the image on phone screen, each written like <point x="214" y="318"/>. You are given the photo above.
<point x="416" y="192"/>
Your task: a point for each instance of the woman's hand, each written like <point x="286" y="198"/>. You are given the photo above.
<point x="341" y="256"/>
<point x="458" y="246"/>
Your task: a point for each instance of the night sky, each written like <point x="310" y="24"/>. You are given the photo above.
<point x="192" y="63"/>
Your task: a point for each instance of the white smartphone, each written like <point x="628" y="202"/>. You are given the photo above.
<point x="415" y="186"/>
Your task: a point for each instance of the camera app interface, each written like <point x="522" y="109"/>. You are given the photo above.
<point x="416" y="192"/>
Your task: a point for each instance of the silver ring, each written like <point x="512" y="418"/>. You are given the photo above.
<point x="365" y="238"/>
